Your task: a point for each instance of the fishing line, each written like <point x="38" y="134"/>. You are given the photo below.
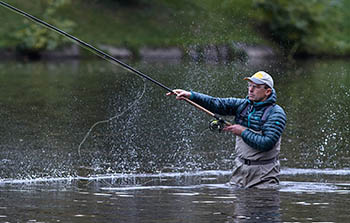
<point x="112" y="118"/>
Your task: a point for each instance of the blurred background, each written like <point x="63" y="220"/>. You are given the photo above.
<point x="294" y="28"/>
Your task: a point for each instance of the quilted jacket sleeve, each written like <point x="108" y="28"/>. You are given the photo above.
<point x="271" y="131"/>
<point x="220" y="106"/>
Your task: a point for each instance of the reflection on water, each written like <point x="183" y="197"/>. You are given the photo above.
<point x="174" y="205"/>
<point x="317" y="101"/>
<point x="177" y="197"/>
<point x="158" y="162"/>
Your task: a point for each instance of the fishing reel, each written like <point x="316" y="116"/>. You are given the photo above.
<point x="216" y="125"/>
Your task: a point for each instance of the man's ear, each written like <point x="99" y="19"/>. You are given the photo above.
<point x="268" y="92"/>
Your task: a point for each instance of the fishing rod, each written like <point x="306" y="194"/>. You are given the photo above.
<point x="219" y="122"/>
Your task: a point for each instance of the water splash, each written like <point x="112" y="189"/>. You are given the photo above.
<point x="112" y="118"/>
<point x="195" y="176"/>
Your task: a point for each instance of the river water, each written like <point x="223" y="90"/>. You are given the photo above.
<point x="150" y="158"/>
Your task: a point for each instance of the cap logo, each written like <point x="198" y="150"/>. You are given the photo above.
<point x="258" y="75"/>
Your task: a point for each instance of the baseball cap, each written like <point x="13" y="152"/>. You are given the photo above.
<point x="261" y="77"/>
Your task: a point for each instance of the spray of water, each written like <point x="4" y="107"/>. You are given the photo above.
<point x="111" y="118"/>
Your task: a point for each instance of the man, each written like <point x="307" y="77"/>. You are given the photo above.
<point x="259" y="124"/>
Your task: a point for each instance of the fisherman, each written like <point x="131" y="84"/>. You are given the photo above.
<point x="259" y="124"/>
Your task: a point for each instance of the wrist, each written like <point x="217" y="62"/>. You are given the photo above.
<point x="190" y="95"/>
<point x="243" y="131"/>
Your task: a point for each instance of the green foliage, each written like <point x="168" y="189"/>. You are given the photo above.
<point x="300" y="25"/>
<point x="128" y="2"/>
<point x="33" y="38"/>
<point x="310" y="26"/>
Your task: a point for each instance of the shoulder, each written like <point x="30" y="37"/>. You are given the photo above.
<point x="277" y="112"/>
<point x="278" y="109"/>
<point x="242" y="104"/>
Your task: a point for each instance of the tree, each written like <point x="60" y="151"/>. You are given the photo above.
<point x="299" y="25"/>
<point x="33" y="38"/>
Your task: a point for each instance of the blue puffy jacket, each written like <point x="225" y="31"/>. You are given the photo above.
<point x="269" y="130"/>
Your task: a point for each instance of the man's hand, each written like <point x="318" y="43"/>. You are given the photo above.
<point x="180" y="94"/>
<point x="235" y="129"/>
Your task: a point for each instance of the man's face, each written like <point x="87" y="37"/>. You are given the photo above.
<point x="258" y="92"/>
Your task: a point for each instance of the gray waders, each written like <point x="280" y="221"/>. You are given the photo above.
<point x="254" y="168"/>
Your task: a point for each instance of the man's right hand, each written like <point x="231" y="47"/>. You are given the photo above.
<point x="180" y="94"/>
<point x="235" y="129"/>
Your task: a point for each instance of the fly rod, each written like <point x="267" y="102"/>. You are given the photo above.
<point x="105" y="56"/>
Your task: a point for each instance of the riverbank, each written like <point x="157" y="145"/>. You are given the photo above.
<point x="164" y="28"/>
<point x="135" y="31"/>
<point x="209" y="53"/>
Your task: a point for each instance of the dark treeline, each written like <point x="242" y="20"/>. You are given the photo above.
<point x="298" y="27"/>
